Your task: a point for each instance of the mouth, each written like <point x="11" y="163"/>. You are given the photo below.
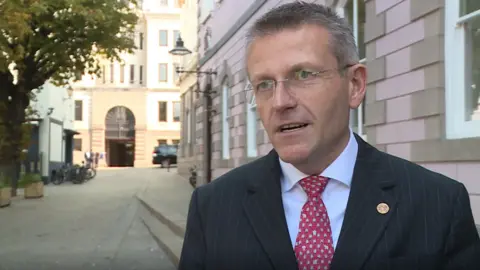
<point x="292" y="127"/>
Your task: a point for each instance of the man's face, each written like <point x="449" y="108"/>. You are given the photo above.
<point x="308" y="119"/>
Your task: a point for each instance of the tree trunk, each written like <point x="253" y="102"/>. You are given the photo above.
<point x="14" y="117"/>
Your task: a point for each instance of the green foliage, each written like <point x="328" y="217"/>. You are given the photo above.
<point x="29" y="178"/>
<point x="5" y="180"/>
<point x="53" y="40"/>
<point x="14" y="23"/>
<point x="64" y="37"/>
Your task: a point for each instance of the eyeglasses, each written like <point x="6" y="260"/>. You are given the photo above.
<point x="297" y="82"/>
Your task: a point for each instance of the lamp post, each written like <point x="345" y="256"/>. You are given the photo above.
<point x="178" y="52"/>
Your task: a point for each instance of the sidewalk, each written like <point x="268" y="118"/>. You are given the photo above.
<point x="166" y="200"/>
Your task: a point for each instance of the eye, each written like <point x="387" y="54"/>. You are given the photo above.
<point x="302" y="75"/>
<point x="264" y="85"/>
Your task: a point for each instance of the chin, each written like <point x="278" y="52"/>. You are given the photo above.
<point x="293" y="154"/>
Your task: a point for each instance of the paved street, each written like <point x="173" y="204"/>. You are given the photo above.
<point x="89" y="226"/>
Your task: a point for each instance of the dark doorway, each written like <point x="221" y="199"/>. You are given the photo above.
<point x="120" y="137"/>
<point x="69" y="145"/>
<point x="120" y="153"/>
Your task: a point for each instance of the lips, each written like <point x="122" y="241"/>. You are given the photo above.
<point x="292" y="127"/>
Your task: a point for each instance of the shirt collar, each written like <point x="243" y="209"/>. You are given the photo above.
<point x="341" y="169"/>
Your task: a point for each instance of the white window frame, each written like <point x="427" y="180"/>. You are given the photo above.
<point x="206" y="8"/>
<point x="189" y="127"/>
<point x="252" y="150"/>
<point x="225" y="122"/>
<point x="456" y="125"/>
<point x="341" y="11"/>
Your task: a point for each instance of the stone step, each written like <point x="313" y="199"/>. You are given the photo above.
<point x="166" y="233"/>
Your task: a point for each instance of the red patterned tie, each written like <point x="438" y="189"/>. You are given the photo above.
<point x="314" y="244"/>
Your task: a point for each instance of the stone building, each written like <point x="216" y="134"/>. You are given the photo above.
<point x="135" y="105"/>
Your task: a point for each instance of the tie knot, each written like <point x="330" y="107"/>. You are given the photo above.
<point x="314" y="185"/>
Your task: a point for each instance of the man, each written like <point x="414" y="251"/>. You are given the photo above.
<point x="323" y="198"/>
<point x="88" y="156"/>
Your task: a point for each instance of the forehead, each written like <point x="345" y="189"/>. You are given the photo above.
<point x="277" y="53"/>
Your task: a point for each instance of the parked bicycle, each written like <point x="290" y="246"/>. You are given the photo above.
<point x="62" y="175"/>
<point x="91" y="172"/>
<point x="193" y="176"/>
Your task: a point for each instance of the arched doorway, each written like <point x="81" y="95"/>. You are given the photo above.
<point x="120" y="137"/>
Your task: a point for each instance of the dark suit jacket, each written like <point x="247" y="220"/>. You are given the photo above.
<point x="238" y="220"/>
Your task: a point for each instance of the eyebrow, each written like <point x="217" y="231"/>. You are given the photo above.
<point x="304" y="64"/>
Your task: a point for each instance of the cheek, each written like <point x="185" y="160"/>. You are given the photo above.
<point x="325" y="104"/>
<point x="263" y="113"/>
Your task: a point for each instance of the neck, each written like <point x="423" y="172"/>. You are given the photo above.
<point x="323" y="157"/>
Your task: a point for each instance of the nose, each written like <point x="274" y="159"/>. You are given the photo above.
<point x="282" y="97"/>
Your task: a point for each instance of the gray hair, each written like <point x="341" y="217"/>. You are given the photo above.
<point x="296" y="14"/>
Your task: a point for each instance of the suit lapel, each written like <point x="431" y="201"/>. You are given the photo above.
<point x="363" y="223"/>
<point x="264" y="208"/>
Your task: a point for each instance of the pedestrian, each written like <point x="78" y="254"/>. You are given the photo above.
<point x="97" y="157"/>
<point x="323" y="198"/>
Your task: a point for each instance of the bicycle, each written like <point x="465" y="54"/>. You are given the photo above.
<point x="193" y="176"/>
<point x="79" y="173"/>
<point x="91" y="172"/>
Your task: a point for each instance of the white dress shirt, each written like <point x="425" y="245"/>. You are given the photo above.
<point x="335" y="195"/>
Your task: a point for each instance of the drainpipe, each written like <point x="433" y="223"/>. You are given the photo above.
<point x="208" y="131"/>
<point x="90" y="120"/>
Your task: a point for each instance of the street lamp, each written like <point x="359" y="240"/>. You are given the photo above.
<point x="178" y="53"/>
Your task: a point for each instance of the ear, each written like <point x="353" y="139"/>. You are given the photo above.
<point x="358" y="84"/>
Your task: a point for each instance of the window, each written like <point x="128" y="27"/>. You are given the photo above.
<point x="161" y="141"/>
<point x="78" y="110"/>
<point x="225" y="123"/>
<point x="189" y="127"/>
<point x="179" y="3"/>
<point x="162" y="72"/>
<point x="176" y="111"/>
<point x="164" y="149"/>
<point x="112" y="72"/>
<point x="205" y="9"/>
<point x="164" y="3"/>
<point x="104" y="74"/>
<point x="462" y="68"/>
<point x="176" y="35"/>
<point x="176" y="142"/>
<point x="207" y="39"/>
<point x="122" y="73"/>
<point x="77" y="144"/>
<point x="132" y="73"/>
<point x="354" y="12"/>
<point x="140" y="41"/>
<point x="251" y="125"/>
<point x="163" y="37"/>
<point x="162" y="111"/>
<point x="140" y="74"/>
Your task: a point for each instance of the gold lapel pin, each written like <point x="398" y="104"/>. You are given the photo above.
<point x="383" y="208"/>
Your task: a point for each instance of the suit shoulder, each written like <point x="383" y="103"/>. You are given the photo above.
<point x="233" y="179"/>
<point x="417" y="174"/>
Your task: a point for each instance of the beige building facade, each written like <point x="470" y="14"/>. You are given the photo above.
<point x="135" y="104"/>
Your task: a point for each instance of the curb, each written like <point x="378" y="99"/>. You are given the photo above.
<point x="168" y="235"/>
<point x="175" y="228"/>
<point x="172" y="255"/>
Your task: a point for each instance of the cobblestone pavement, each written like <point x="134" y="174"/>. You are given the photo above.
<point x="90" y="226"/>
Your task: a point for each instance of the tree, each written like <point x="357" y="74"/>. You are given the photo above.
<point x="53" y="40"/>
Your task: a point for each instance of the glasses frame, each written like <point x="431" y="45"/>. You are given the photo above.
<point x="275" y="82"/>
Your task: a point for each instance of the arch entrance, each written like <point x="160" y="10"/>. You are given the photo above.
<point x="120" y="137"/>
